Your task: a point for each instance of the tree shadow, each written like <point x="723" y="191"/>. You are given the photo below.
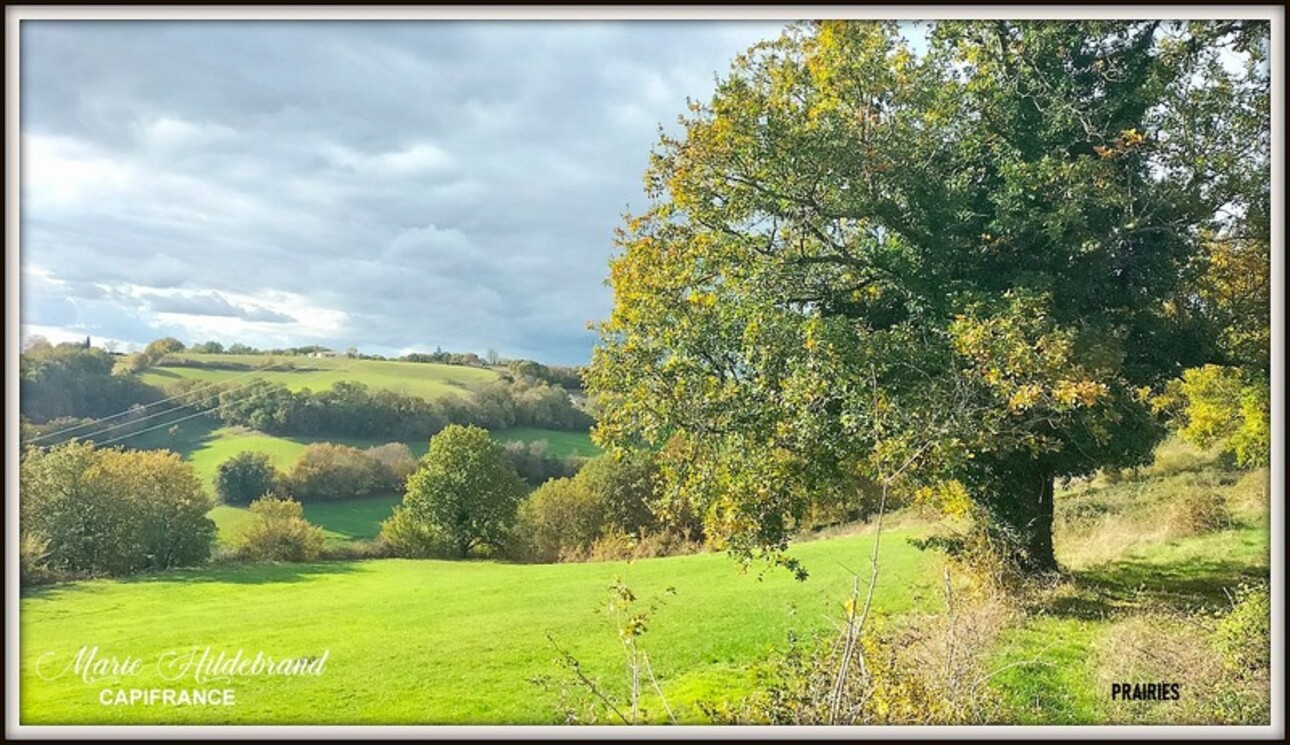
<point x="235" y="574"/>
<point x="193" y="434"/>
<point x="1130" y="584"/>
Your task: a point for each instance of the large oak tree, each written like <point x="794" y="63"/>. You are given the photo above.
<point x="964" y="265"/>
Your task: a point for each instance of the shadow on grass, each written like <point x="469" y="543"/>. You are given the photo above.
<point x="233" y="574"/>
<point x="1118" y="586"/>
<point x="193" y="434"/>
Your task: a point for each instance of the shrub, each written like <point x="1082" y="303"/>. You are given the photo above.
<point x="33" y="550"/>
<point x="409" y="538"/>
<point x="466" y="489"/>
<point x="1244" y="636"/>
<point x="397" y="460"/>
<point x="616" y="545"/>
<point x="326" y="472"/>
<point x="278" y="531"/>
<point x="356" y="549"/>
<point x="112" y="511"/>
<point x="245" y="477"/>
<point x="1176" y="455"/>
<point x="559" y="521"/>
<point x="1198" y="512"/>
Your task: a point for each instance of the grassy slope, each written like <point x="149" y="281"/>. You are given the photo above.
<point x="413" y="378"/>
<point x="440" y="642"/>
<point x="1123" y="558"/>
<point x="352" y="519"/>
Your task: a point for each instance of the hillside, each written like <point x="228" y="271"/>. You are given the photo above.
<point x="412" y="378"/>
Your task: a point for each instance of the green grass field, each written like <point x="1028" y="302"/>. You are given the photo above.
<point x="411" y="378"/>
<point x="348" y="520"/>
<point x="437" y="642"/>
<point x="426" y="642"/>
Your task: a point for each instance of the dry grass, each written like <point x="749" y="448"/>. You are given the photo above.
<point x="915" y="669"/>
<point x="1249" y="497"/>
<point x="1177" y="648"/>
<point x="1111" y="538"/>
<point x="1197" y="513"/>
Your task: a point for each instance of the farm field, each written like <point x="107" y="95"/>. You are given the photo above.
<point x="411" y="378"/>
<point x="440" y="642"/>
<point x="347" y="520"/>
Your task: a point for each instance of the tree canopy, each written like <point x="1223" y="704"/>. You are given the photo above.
<point x="465" y="489"/>
<point x="969" y="264"/>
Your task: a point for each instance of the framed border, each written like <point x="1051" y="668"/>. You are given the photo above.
<point x="17" y="14"/>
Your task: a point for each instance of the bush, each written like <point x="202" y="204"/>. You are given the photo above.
<point x="356" y="550"/>
<point x="1176" y="455"/>
<point x="603" y="513"/>
<point x="559" y="521"/>
<point x="409" y="538"/>
<point x="616" y="545"/>
<point x="397" y="460"/>
<point x="278" y="531"/>
<point x="1199" y="512"/>
<point x="326" y="472"/>
<point x="112" y="511"/>
<point x="245" y="477"/>
<point x="1244" y="636"/>
<point x="33" y="549"/>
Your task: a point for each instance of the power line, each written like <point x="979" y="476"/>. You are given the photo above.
<point x="171" y="423"/>
<point x="119" y="414"/>
<point x="154" y="415"/>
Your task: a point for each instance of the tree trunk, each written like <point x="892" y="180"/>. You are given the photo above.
<point x="1040" y="531"/>
<point x="1020" y="496"/>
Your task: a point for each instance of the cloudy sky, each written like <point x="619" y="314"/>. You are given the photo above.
<point x="390" y="186"/>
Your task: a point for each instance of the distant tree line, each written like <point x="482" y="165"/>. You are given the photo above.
<point x="70" y="380"/>
<point x="351" y="409"/>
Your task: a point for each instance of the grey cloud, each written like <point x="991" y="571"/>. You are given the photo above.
<point x="449" y="183"/>
<point x="211" y="304"/>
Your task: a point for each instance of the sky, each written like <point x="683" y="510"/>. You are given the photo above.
<point x="394" y="186"/>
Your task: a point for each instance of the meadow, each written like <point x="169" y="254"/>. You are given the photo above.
<point x="430" y="642"/>
<point x="321" y="373"/>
